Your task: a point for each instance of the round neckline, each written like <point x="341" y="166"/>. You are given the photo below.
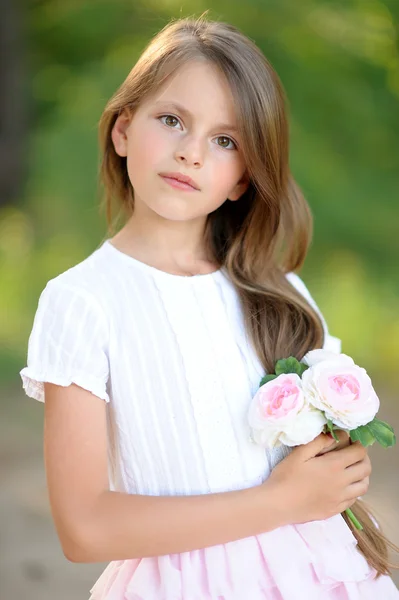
<point x="150" y="269"/>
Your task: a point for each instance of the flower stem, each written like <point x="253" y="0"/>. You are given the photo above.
<point x="355" y="522"/>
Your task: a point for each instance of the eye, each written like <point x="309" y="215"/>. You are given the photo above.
<point x="226" y="142"/>
<point x="169" y="119"/>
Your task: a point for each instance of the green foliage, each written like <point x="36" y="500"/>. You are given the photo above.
<point x="363" y="435"/>
<point x="375" y="431"/>
<point x="290" y="365"/>
<point x="285" y="365"/>
<point x="332" y="430"/>
<point x="266" y="379"/>
<point x="383" y="433"/>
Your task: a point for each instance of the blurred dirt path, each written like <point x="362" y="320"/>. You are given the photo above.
<point x="32" y="566"/>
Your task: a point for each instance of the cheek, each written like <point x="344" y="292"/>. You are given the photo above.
<point x="226" y="171"/>
<point x="146" y="149"/>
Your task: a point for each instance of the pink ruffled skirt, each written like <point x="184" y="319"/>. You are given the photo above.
<point x="311" y="561"/>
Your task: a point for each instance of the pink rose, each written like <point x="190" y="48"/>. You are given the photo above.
<point x="343" y="390"/>
<point x="281" y="398"/>
<point x="280" y="414"/>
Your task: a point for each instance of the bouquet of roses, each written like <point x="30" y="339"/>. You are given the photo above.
<point x="322" y="393"/>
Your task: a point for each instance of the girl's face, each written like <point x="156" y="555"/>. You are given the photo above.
<point x="187" y="127"/>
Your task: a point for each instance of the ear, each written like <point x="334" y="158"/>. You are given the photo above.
<point x="240" y="188"/>
<point x="119" y="132"/>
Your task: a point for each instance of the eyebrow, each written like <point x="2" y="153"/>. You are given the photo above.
<point x="185" y="112"/>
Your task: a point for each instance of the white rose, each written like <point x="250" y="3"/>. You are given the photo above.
<point x="343" y="390"/>
<point x="307" y="425"/>
<point x="315" y="356"/>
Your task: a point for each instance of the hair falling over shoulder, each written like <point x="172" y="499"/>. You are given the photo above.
<point x="264" y="235"/>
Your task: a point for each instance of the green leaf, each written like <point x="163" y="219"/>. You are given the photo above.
<point x="330" y="427"/>
<point x="303" y="368"/>
<point x="383" y="433"/>
<point x="354" y="435"/>
<point x="362" y="434"/>
<point x="266" y="379"/>
<point x="288" y="365"/>
<point x="378" y="421"/>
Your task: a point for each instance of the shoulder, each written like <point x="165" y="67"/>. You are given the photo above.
<point x="299" y="284"/>
<point x="70" y="334"/>
<point x="331" y="342"/>
<point x="88" y="277"/>
<point x="91" y="282"/>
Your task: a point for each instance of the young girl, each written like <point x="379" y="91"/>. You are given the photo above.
<point x="149" y="351"/>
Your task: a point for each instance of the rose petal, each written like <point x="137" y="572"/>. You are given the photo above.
<point x="342" y="390"/>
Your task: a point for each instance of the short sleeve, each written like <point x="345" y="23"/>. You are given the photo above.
<point x="68" y="342"/>
<point x="331" y="342"/>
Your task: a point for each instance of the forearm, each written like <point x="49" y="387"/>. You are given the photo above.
<point x="123" y="526"/>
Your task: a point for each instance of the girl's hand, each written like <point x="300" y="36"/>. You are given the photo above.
<point x="315" y="483"/>
<point x="344" y="442"/>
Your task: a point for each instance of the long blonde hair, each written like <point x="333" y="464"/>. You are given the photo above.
<point x="265" y="234"/>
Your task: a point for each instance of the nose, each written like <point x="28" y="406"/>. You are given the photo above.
<point x="190" y="151"/>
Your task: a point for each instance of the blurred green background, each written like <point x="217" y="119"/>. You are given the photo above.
<point x="339" y="63"/>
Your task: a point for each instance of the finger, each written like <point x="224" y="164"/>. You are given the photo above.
<point x="344" y="440"/>
<point x="312" y="449"/>
<point x="347" y="504"/>
<point x="358" y="471"/>
<point x="342" y="443"/>
<point x="355" y="490"/>
<point x="365" y="461"/>
<point x="352" y="454"/>
<point x="343" y="436"/>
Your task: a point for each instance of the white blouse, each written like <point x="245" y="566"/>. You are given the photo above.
<point x="170" y="356"/>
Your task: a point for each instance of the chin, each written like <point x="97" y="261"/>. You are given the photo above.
<point x="182" y="213"/>
<point x="175" y="216"/>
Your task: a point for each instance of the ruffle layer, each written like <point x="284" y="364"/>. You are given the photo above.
<point x="313" y="561"/>
<point x="33" y="383"/>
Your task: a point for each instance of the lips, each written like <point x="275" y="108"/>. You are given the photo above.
<point x="181" y="178"/>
